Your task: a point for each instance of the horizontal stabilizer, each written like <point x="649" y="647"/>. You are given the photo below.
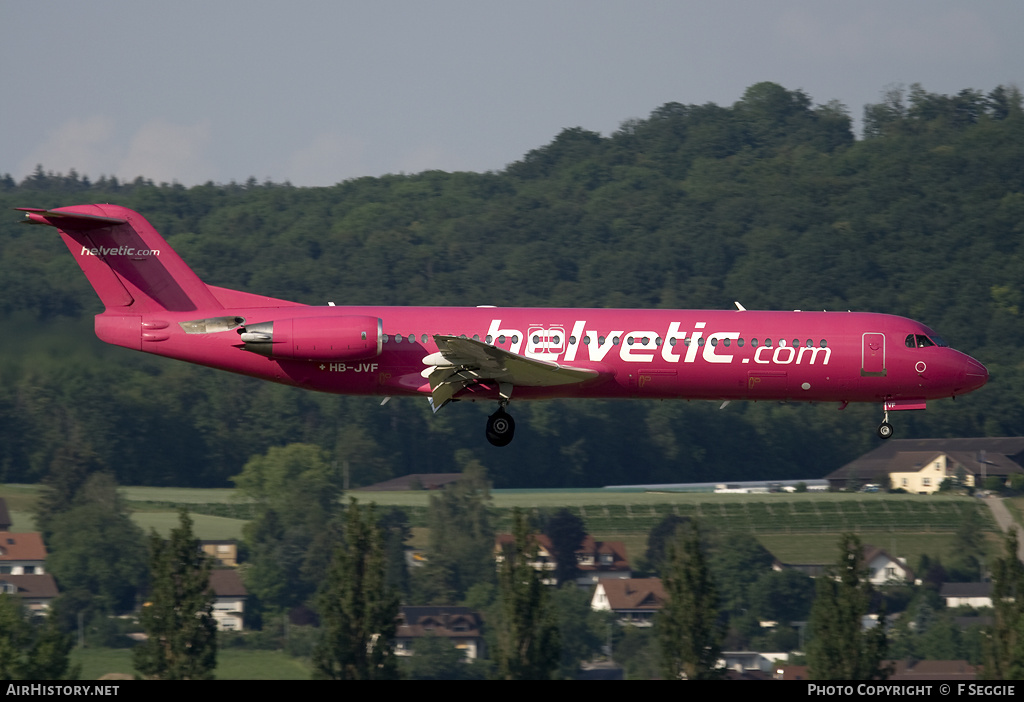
<point x="69" y="220"/>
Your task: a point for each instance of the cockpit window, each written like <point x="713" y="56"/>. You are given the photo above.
<point x="920" y="341"/>
<point x="939" y="341"/>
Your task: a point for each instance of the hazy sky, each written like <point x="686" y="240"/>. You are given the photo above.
<point x="318" y="92"/>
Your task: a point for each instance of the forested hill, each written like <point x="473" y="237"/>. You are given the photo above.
<point x="771" y="201"/>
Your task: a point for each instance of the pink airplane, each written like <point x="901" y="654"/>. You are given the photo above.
<point x="156" y="303"/>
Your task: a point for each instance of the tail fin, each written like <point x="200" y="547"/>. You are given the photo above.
<point x="128" y="263"/>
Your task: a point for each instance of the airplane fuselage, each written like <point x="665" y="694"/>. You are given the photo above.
<point x="155" y="303"/>
<point x="658" y="354"/>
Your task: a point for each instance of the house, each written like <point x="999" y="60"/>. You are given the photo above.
<point x="230" y="595"/>
<point x="223" y="552"/>
<point x="748" y="661"/>
<point x="966" y="594"/>
<point x="22" y="554"/>
<point x="595" y="560"/>
<point x="882" y="568"/>
<point x="634" y="600"/>
<point x="920" y="465"/>
<point x="37" y="591"/>
<point x="23" y="570"/>
<point x="413" y="481"/>
<point x="462" y="626"/>
<point x="908" y="670"/>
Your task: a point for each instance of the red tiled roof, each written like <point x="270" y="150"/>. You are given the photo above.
<point x="634" y="593"/>
<point x="22" y="547"/>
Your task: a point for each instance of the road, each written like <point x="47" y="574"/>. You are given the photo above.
<point x="1005" y="521"/>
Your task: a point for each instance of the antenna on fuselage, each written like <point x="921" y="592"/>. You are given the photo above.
<point x="739" y="307"/>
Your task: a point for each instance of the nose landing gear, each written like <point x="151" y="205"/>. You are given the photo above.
<point x="885" y="429"/>
<point x="500" y="427"/>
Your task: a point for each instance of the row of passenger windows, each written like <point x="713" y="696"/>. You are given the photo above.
<point x="556" y="341"/>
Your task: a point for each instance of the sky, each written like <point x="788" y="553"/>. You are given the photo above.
<point x="316" y="92"/>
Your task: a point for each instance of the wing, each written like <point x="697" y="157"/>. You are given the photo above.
<point x="460" y="362"/>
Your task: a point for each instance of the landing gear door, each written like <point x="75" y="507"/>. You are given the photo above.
<point x="872" y="354"/>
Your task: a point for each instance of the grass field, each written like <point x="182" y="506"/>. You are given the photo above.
<point x="794" y="527"/>
<point x="232" y="664"/>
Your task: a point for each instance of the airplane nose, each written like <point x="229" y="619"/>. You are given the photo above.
<point x="975" y="374"/>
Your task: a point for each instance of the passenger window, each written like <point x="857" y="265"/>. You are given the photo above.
<point x="822" y="343"/>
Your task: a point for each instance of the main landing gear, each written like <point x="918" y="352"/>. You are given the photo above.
<point x="500" y="427"/>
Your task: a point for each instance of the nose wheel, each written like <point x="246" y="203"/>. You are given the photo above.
<point x="500" y="428"/>
<point x="885" y="429"/>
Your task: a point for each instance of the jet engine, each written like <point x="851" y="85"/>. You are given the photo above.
<point x="344" y="338"/>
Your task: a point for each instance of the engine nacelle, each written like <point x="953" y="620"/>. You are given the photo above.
<point x="347" y="338"/>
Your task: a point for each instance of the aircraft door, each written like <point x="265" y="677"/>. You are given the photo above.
<point x="872" y="354"/>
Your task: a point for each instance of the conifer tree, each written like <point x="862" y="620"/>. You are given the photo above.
<point x="358" y="611"/>
<point x="528" y="646"/>
<point x="839" y="648"/>
<point x="32" y="650"/>
<point x="1004" y="644"/>
<point x="178" y="617"/>
<point x="461" y="534"/>
<point x="687" y="625"/>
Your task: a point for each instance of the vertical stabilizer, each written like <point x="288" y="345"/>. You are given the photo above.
<point x="128" y="263"/>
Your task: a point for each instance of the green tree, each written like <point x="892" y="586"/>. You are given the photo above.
<point x="1004" y="644"/>
<point x="358" y="610"/>
<point x="581" y="630"/>
<point x="71" y="467"/>
<point x="783" y="596"/>
<point x="298" y="512"/>
<point x="181" y="641"/>
<point x="435" y="658"/>
<point x="96" y="549"/>
<point x="31" y="650"/>
<point x="660" y="535"/>
<point x="527" y="641"/>
<point x="461" y="545"/>
<point x="839" y="648"/>
<point x="687" y="625"/>
<point x="567" y="533"/>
